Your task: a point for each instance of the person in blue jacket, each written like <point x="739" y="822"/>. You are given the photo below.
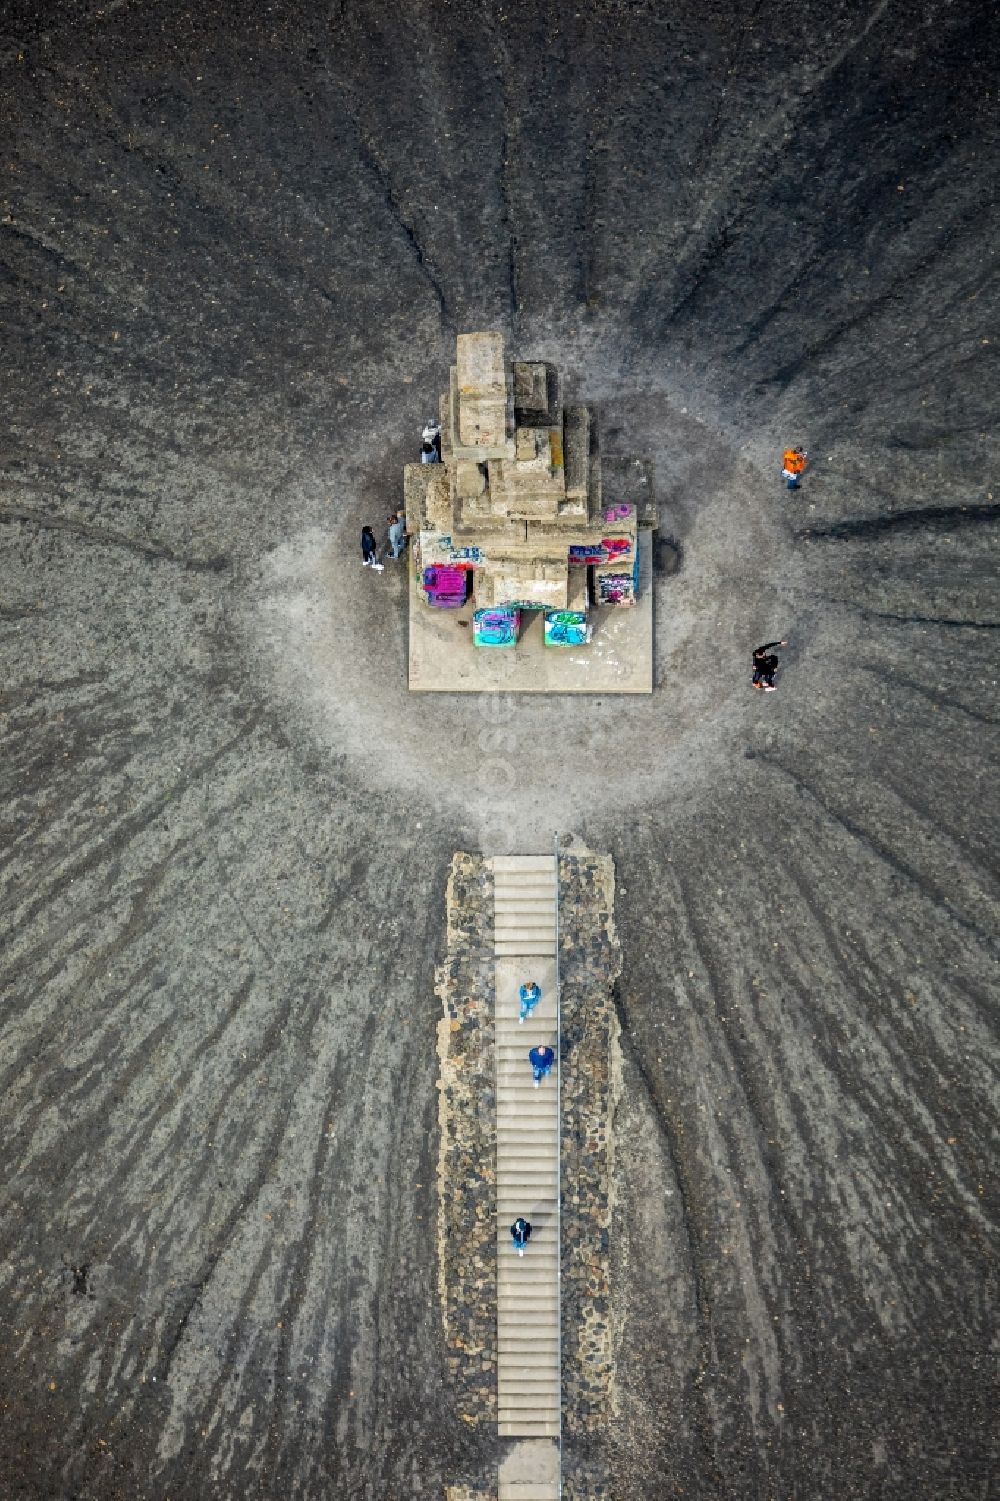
<point x="541" y="1060"/>
<point x="530" y="994"/>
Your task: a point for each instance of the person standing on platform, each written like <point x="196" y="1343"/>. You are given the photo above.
<point x="541" y="1060"/>
<point x="397" y="535"/>
<point x="430" y="449"/>
<point x="369" y="549"/>
<point x="520" y="1234"/>
<point x="794" y="462"/>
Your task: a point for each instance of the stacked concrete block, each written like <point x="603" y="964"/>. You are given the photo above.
<point x="518" y="497"/>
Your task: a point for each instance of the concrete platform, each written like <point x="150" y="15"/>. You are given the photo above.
<point x="619" y="658"/>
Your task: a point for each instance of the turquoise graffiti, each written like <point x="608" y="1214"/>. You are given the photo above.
<point x="495" y="627"/>
<point x="566" y="628"/>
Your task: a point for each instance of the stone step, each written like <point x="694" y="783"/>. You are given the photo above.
<point x="512" y="1339"/>
<point x="523" y="1423"/>
<point x="524" y="1363"/>
<point x="534" y="1379"/>
<point x="536" y="884"/>
<point x="505" y="863"/>
<point x="547" y="1342"/>
<point x="519" y="1093"/>
<point x="521" y="1098"/>
<point x="531" y="903"/>
<point x="541" y="918"/>
<point x="514" y="1070"/>
<point x="514" y="1040"/>
<point x="539" y="1402"/>
<point x="534" y="1400"/>
<point x="523" y="1428"/>
<point x="514" y="1322"/>
<point x="527" y="1118"/>
<point x="535" y="895"/>
<point x="533" y="1403"/>
<point x="528" y="1490"/>
<point x="523" y="924"/>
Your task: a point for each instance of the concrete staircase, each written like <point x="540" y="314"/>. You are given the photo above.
<point x="528" y="1333"/>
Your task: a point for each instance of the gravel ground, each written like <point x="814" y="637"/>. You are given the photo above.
<point x="236" y="243"/>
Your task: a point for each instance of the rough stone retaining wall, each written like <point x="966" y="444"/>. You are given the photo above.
<point x="589" y="964"/>
<point x="467" y="1153"/>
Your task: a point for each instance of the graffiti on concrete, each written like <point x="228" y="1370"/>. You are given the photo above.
<point x="614" y="588"/>
<point x="495" y="627"/>
<point x="566" y="628"/>
<point x="608" y="550"/>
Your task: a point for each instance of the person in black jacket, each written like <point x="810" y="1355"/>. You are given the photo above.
<point x="369" y="549"/>
<point x="765" y="666"/>
<point x="520" y="1233"/>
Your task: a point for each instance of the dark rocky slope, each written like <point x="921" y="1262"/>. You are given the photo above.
<point x="236" y="243"/>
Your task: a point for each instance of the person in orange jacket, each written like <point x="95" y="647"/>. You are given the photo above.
<point x="794" y="460"/>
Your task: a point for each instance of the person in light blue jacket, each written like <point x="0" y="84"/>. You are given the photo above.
<point x="530" y="994"/>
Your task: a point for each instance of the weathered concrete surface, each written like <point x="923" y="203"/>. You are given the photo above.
<point x="618" y="659"/>
<point x="237" y="243"/>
